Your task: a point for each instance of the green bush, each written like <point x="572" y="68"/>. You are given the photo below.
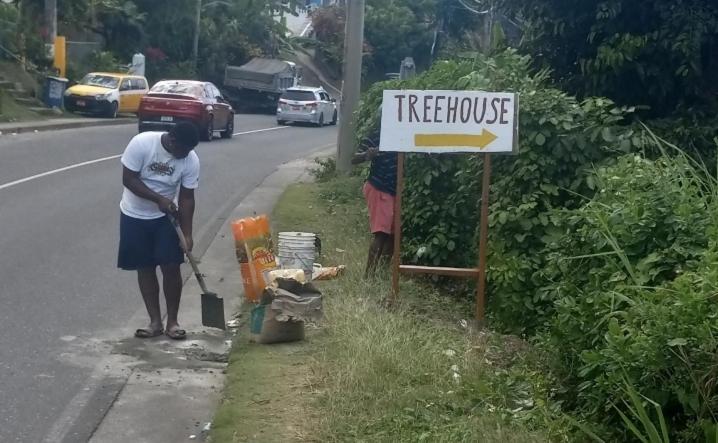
<point x="325" y="170"/>
<point x="634" y="279"/>
<point x="8" y="27"/>
<point x="602" y="240"/>
<point x="560" y="139"/>
<point x="103" y="61"/>
<point x="695" y="132"/>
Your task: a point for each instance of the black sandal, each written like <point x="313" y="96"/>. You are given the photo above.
<point x="148" y="333"/>
<point x="176" y="334"/>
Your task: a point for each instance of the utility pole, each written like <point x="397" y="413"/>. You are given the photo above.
<point x="351" y="88"/>
<point x="50" y="21"/>
<point x="19" y="32"/>
<point x="195" y="42"/>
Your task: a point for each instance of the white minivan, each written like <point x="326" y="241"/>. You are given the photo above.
<point x="308" y="105"/>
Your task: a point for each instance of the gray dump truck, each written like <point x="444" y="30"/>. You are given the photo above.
<point x="259" y="83"/>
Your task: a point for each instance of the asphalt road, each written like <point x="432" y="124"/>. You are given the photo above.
<point x="58" y="240"/>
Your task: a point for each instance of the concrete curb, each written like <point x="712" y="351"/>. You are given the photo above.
<point x="26" y="127"/>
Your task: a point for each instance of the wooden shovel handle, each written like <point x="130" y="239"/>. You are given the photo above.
<point x="190" y="257"/>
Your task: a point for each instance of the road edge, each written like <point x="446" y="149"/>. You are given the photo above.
<point x="47" y="125"/>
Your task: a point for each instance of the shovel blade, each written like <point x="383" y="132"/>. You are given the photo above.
<point x="213" y="311"/>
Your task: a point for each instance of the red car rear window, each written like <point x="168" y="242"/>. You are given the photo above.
<point x="179" y="88"/>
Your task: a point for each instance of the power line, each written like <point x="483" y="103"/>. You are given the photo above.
<point x="475" y="11"/>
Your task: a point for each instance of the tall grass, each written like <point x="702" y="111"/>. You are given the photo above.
<point x="635" y="298"/>
<point x="637" y="419"/>
<point x="413" y="373"/>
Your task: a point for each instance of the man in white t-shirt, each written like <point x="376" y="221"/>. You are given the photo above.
<point x="160" y="172"/>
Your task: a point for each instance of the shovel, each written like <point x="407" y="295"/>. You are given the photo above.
<point x="212" y="304"/>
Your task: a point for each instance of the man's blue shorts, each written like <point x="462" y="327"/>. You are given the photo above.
<point x="148" y="243"/>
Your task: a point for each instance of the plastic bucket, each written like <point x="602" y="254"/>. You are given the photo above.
<point x="296" y="250"/>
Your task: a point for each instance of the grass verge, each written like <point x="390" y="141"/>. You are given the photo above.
<point x="10" y="111"/>
<point x="413" y="373"/>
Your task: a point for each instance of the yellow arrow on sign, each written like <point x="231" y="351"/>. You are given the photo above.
<point x="480" y="141"/>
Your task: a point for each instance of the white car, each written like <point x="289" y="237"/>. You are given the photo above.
<point x="307" y="105"/>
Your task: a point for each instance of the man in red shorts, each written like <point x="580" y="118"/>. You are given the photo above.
<point x="379" y="191"/>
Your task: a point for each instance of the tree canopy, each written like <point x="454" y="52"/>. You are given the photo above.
<point x="231" y="31"/>
<point x="660" y="53"/>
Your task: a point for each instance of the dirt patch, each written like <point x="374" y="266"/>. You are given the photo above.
<point x="501" y="351"/>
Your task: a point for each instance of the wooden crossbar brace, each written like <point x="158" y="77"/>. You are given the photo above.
<point x="448" y="272"/>
<point x="478" y="273"/>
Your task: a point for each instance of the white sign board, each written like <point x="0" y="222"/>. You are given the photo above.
<point x="449" y="121"/>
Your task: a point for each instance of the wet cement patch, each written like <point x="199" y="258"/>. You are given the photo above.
<point x="199" y="350"/>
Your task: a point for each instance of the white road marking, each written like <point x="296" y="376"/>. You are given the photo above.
<point x="56" y="171"/>
<point x="273" y="128"/>
<point x="99" y="160"/>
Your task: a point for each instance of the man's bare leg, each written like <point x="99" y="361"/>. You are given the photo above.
<point x="375" y="252"/>
<point x="172" y="286"/>
<point x="150" y="290"/>
<point x="387" y="250"/>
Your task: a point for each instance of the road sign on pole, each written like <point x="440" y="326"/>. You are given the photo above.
<point x="442" y="122"/>
<point x="449" y="121"/>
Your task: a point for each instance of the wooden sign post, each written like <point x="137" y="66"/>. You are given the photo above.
<point x="441" y="122"/>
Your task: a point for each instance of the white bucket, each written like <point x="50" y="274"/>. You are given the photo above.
<point x="296" y="250"/>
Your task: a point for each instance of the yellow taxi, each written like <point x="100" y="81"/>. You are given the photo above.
<point x="106" y="94"/>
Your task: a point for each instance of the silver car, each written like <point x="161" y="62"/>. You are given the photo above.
<point x="308" y="105"/>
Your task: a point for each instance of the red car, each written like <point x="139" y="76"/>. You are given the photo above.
<point x="172" y="101"/>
